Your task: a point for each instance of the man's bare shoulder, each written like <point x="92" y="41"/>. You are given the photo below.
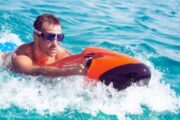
<point x="21" y="59"/>
<point x="24" y="49"/>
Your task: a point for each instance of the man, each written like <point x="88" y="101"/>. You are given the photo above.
<point x="33" y="58"/>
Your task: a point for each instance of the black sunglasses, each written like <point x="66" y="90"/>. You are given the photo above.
<point x="50" y="36"/>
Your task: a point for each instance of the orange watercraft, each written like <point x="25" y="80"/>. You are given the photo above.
<point x="109" y="67"/>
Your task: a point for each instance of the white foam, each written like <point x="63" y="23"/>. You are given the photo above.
<point x="31" y="93"/>
<point x="7" y="36"/>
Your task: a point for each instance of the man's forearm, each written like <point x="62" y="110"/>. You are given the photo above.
<point x="54" y="72"/>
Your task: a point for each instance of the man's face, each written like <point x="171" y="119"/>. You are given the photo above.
<point x="49" y="48"/>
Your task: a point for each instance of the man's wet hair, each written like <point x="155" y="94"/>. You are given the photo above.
<point x="51" y="19"/>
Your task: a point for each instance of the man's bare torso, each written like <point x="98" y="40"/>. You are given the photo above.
<point x="39" y="58"/>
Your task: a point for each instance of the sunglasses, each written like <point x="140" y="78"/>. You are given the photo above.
<point x="50" y="36"/>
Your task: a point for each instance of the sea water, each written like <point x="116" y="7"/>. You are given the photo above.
<point x="148" y="30"/>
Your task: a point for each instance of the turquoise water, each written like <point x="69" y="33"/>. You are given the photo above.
<point x="147" y="30"/>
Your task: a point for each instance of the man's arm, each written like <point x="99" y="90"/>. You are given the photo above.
<point x="23" y="64"/>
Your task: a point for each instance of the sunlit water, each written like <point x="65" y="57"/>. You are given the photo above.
<point x="147" y="30"/>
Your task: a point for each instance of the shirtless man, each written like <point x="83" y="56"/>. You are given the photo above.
<point x="34" y="58"/>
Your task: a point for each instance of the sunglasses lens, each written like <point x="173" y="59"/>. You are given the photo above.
<point x="51" y="37"/>
<point x="60" y="37"/>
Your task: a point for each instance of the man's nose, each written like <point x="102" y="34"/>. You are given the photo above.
<point x="55" y="42"/>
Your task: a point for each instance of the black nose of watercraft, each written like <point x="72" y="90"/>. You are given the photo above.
<point x="123" y="76"/>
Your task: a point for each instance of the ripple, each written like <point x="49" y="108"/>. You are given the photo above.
<point x="165" y="63"/>
<point x="164" y="44"/>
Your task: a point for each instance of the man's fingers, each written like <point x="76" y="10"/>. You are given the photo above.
<point x="82" y="66"/>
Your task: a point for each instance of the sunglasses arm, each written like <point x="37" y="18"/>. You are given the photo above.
<point x="37" y="31"/>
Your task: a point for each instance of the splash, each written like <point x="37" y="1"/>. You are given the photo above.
<point x="8" y="42"/>
<point x="55" y="95"/>
<point x="7" y="36"/>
